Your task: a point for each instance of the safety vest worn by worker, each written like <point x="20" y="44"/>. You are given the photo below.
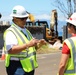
<point x="28" y="56"/>
<point x="71" y="64"/>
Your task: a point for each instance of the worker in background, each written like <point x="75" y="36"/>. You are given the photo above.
<point x="67" y="64"/>
<point x="20" y="46"/>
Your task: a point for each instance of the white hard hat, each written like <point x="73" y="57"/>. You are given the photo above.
<point x="19" y="11"/>
<point x="72" y="19"/>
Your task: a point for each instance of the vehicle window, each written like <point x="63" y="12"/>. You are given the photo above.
<point x="37" y="23"/>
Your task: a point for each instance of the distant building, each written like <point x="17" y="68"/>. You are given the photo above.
<point x="1" y="22"/>
<point x="4" y="23"/>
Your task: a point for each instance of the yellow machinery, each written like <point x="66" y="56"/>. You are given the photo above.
<point x="51" y="33"/>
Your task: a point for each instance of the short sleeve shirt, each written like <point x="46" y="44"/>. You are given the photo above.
<point x="65" y="49"/>
<point x="11" y="39"/>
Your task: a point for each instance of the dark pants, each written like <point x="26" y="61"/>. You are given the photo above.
<point x="15" y="68"/>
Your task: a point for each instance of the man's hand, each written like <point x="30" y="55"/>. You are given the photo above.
<point x="42" y="42"/>
<point x="33" y="42"/>
<point x="37" y="43"/>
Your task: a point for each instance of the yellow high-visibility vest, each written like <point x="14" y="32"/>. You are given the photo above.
<point x="26" y="57"/>
<point x="71" y="64"/>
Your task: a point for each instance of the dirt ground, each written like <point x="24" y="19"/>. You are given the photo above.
<point x="46" y="49"/>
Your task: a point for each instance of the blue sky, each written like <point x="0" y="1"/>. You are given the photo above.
<point x="41" y="9"/>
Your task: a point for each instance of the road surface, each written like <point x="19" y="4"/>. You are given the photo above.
<point x="48" y="64"/>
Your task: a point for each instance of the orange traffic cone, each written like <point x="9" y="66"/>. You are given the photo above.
<point x="3" y="55"/>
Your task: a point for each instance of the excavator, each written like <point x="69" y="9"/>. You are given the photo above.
<point x="50" y="33"/>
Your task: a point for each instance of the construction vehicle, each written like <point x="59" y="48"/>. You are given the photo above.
<point x="51" y="34"/>
<point x="39" y="24"/>
<point x="39" y="29"/>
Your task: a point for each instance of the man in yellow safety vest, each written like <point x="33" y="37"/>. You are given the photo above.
<point x="20" y="46"/>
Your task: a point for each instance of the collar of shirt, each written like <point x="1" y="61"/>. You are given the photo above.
<point x="21" y="29"/>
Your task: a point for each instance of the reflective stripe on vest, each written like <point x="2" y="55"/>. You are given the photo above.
<point x="33" y="63"/>
<point x="74" y="55"/>
<point x="28" y="61"/>
<point x="22" y="53"/>
<point x="22" y="57"/>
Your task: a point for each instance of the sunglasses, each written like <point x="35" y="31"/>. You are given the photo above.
<point x="25" y="18"/>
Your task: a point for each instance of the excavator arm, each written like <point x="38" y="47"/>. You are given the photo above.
<point x="31" y="17"/>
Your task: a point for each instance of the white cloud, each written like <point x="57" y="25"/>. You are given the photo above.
<point x="42" y="16"/>
<point x="61" y="18"/>
<point x="37" y="17"/>
<point x="48" y="17"/>
<point x="6" y="18"/>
